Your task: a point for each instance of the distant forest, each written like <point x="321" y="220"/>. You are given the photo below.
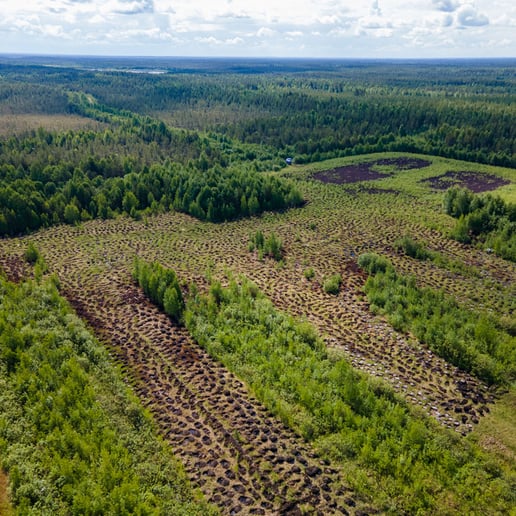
<point x="168" y="130"/>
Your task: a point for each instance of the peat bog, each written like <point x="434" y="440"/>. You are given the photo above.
<point x="369" y="171"/>
<point x="229" y="444"/>
<point x="474" y="181"/>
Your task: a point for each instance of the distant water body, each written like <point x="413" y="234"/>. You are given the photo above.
<point x="214" y="65"/>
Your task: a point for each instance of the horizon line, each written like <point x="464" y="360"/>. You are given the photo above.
<point x="236" y="57"/>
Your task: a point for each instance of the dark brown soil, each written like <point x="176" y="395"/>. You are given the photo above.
<point x="349" y="174"/>
<point x="403" y="163"/>
<point x="366" y="171"/>
<point x="15" y="267"/>
<point x="477" y="182"/>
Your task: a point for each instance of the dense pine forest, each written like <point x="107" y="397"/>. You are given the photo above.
<point x="257" y="286"/>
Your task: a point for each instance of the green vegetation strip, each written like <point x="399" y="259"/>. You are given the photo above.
<point x="405" y="463"/>
<point x="419" y="251"/>
<point x="469" y="340"/>
<point x="73" y="439"/>
<point x="486" y="219"/>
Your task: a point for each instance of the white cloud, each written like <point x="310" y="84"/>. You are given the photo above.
<point x="447" y="20"/>
<point x="468" y="16"/>
<point x="214" y="41"/>
<point x="447" y="6"/>
<point x="134" y="7"/>
<point x="143" y="34"/>
<point x="375" y="9"/>
<point x="332" y="28"/>
<point x="265" y="32"/>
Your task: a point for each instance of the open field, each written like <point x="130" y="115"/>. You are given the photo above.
<point x="23" y="123"/>
<point x="242" y="459"/>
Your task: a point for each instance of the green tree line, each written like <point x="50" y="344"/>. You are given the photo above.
<point x="487" y="219"/>
<point x="58" y="193"/>
<point x="471" y="341"/>
<point x="161" y="286"/>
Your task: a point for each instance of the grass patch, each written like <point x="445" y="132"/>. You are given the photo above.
<point x="23" y="123"/>
<point x="495" y="432"/>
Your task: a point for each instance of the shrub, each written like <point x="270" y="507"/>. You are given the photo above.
<point x="270" y="246"/>
<point x="412" y="248"/>
<point x="373" y="263"/>
<point x="32" y="253"/>
<point x="309" y="273"/>
<point x="485" y="219"/>
<point x="332" y="284"/>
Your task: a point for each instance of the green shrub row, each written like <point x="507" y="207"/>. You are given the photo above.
<point x="351" y="417"/>
<point x="161" y="286"/>
<point x="474" y="342"/>
<point x="419" y="251"/>
<point x="487" y="219"/>
<point x="73" y="439"/>
<point x="412" y="248"/>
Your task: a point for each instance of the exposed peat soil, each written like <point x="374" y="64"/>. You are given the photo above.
<point x="366" y="171"/>
<point x="403" y="163"/>
<point x="474" y="181"/>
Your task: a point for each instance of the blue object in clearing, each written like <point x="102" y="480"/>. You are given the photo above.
<point x="288" y="161"/>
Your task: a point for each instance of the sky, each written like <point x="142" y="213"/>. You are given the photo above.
<point x="261" y="28"/>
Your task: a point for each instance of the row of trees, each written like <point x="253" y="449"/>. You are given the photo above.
<point x="161" y="286"/>
<point x="486" y="219"/>
<point x="471" y="341"/>
<point x="56" y="195"/>
<point x="347" y="126"/>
